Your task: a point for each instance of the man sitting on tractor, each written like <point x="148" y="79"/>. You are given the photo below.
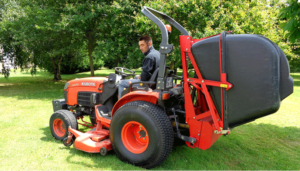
<point x="150" y="63"/>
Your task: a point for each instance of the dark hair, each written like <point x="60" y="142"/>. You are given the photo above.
<point x="146" y="38"/>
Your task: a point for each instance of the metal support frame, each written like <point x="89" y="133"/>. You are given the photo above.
<point x="199" y="83"/>
<point x="165" y="47"/>
<point x="86" y="124"/>
<point x="203" y="129"/>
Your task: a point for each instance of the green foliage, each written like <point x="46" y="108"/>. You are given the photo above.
<point x="42" y="35"/>
<point x="12" y="47"/>
<point x="76" y="62"/>
<point x="63" y="36"/>
<point x="206" y="18"/>
<point x="5" y="72"/>
<point x="120" y="47"/>
<point x="295" y="62"/>
<point x="290" y="22"/>
<point x="88" y="21"/>
<point x="291" y="16"/>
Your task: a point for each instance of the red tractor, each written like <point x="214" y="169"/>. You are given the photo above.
<point x="237" y="79"/>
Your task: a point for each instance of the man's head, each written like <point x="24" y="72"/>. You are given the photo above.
<point x="145" y="42"/>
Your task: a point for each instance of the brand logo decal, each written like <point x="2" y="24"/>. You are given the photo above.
<point x="88" y="84"/>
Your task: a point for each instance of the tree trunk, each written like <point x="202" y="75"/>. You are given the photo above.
<point x="56" y="66"/>
<point x="1" y="60"/>
<point x="91" y="48"/>
<point x="116" y="62"/>
<point x="2" y="69"/>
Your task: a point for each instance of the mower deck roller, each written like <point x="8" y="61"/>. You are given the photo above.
<point x="256" y="67"/>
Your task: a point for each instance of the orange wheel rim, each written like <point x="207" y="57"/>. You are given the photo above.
<point x="59" y="127"/>
<point x="135" y="137"/>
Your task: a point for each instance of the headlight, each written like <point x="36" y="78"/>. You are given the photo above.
<point x="66" y="85"/>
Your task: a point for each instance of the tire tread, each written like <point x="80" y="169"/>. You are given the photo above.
<point x="165" y="128"/>
<point x="69" y="116"/>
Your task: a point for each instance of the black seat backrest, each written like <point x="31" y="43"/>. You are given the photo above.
<point x="154" y="77"/>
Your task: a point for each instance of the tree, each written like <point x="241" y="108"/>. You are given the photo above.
<point x="107" y="27"/>
<point x="206" y="18"/>
<point x="51" y="30"/>
<point x="88" y="22"/>
<point x="34" y="34"/>
<point x="120" y="47"/>
<point x="50" y="33"/>
<point x="50" y="40"/>
<point x="9" y="12"/>
<point x="291" y="15"/>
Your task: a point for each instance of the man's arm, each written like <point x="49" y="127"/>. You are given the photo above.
<point x="147" y="68"/>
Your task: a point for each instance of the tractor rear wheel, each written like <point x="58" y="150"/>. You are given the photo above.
<point x="141" y="133"/>
<point x="60" y="122"/>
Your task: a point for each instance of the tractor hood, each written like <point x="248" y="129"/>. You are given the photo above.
<point x="85" y="82"/>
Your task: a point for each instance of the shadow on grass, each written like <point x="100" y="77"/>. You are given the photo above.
<point x="251" y="146"/>
<point x="107" y="161"/>
<point x="41" y="86"/>
<point x="48" y="136"/>
<point x="100" y="162"/>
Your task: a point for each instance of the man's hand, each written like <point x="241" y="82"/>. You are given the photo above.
<point x="137" y="77"/>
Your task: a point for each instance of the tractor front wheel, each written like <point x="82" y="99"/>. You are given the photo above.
<point x="141" y="133"/>
<point x="60" y="122"/>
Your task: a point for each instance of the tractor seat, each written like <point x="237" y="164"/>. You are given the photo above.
<point x="137" y="87"/>
<point x="176" y="91"/>
<point x="153" y="78"/>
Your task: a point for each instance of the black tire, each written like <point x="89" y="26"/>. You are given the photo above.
<point x="65" y="142"/>
<point x="158" y="126"/>
<point x="103" y="151"/>
<point x="93" y="117"/>
<point x="66" y="118"/>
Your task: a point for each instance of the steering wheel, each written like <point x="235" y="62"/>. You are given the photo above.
<point x="120" y="70"/>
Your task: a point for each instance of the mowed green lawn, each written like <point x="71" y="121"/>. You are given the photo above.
<point x="272" y="142"/>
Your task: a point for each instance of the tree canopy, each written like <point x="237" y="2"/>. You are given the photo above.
<point x="291" y="24"/>
<point x="206" y="18"/>
<point x="62" y="36"/>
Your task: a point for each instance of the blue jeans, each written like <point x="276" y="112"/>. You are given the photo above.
<point x="125" y="84"/>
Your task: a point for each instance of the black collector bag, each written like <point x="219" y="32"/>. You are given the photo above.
<point x="257" y="68"/>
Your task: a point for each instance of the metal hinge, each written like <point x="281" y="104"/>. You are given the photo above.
<point x="222" y="132"/>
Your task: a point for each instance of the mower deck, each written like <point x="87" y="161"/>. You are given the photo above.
<point x="92" y="141"/>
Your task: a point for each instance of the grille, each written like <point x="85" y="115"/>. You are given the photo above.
<point x="66" y="96"/>
<point x="83" y="98"/>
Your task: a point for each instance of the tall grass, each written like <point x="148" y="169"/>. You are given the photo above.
<point x="272" y="142"/>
